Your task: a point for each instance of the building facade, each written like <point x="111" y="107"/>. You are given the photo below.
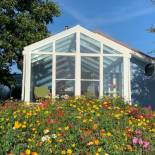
<point x="80" y="62"/>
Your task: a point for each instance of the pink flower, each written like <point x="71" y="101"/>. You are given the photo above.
<point x="146" y="144"/>
<point x="140" y="141"/>
<point x="135" y="140"/>
<point x="138" y="132"/>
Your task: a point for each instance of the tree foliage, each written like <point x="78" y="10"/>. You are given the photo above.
<point x="22" y="22"/>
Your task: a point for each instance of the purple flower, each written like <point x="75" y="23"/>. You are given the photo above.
<point x="146" y="144"/>
<point x="140" y="141"/>
<point x="135" y="140"/>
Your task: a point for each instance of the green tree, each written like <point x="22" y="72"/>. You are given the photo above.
<point x="22" y="22"/>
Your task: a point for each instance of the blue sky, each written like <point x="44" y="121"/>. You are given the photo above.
<point x="124" y="20"/>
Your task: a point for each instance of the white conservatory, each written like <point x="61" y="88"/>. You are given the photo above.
<point x="77" y="62"/>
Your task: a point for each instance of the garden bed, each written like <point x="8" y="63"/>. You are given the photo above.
<point x="77" y="126"/>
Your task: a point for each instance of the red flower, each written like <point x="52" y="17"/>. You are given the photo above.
<point x="59" y="112"/>
<point x="43" y="105"/>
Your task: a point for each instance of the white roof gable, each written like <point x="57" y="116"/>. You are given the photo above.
<point x="102" y="38"/>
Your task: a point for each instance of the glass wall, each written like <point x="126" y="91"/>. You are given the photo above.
<point x="89" y="45"/>
<point x="97" y="72"/>
<point x="46" y="48"/>
<point x="90" y="76"/>
<point x="41" y="75"/>
<point x="66" y="44"/>
<point x="65" y="75"/>
<point x="113" y="76"/>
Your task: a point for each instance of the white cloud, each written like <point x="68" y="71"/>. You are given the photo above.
<point x="116" y="16"/>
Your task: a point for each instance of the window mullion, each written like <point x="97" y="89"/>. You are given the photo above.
<point x="78" y="66"/>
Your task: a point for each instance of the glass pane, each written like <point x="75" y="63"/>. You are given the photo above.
<point x="113" y="76"/>
<point x="66" y="44"/>
<point x="45" y="48"/>
<point x="65" y="67"/>
<point x="90" y="88"/>
<point x="89" y="45"/>
<point x="41" y="74"/>
<point x="109" y="50"/>
<point x="65" y="87"/>
<point x="89" y="67"/>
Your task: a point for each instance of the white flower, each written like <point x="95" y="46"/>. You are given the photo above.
<point x="57" y="97"/>
<point x="44" y="138"/>
<point x="66" y="97"/>
<point x="54" y="136"/>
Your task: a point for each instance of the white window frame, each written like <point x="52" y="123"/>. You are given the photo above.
<point x="125" y="54"/>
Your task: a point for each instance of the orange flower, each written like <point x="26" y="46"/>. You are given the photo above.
<point x="34" y="153"/>
<point x="102" y="133"/>
<point x="87" y="133"/>
<point x="96" y="142"/>
<point x="129" y="148"/>
<point x="95" y="126"/>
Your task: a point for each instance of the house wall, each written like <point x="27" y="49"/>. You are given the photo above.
<point x="142" y="87"/>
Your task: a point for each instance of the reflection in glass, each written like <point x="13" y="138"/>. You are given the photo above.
<point x="113" y="76"/>
<point x="109" y="50"/>
<point x="65" y="87"/>
<point x="90" y="88"/>
<point x="89" y="67"/>
<point x="89" y="45"/>
<point x="65" y="67"/>
<point x="41" y="72"/>
<point x="66" y="44"/>
<point x="46" y="48"/>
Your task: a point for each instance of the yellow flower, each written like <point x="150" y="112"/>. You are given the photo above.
<point x="66" y="128"/>
<point x="63" y="152"/>
<point x="97" y="153"/>
<point x="108" y="134"/>
<point x="59" y="129"/>
<point x="69" y="151"/>
<point x="73" y="145"/>
<point x="27" y="151"/>
<point x="23" y="126"/>
<point x="17" y="125"/>
<point x="99" y="149"/>
<point x="60" y="140"/>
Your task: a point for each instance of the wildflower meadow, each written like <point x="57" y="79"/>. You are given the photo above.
<point x="77" y="126"/>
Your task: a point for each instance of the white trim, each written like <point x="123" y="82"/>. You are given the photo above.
<point x="53" y="72"/>
<point x="28" y="77"/>
<point x="66" y="54"/>
<point x="65" y="79"/>
<point x="101" y="72"/>
<point x="45" y="53"/>
<point x="126" y="84"/>
<point x="78" y="66"/>
<point x="23" y="79"/>
<point x="89" y="80"/>
<point x="129" y="82"/>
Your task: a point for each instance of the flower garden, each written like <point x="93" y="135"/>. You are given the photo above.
<point x="81" y="126"/>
